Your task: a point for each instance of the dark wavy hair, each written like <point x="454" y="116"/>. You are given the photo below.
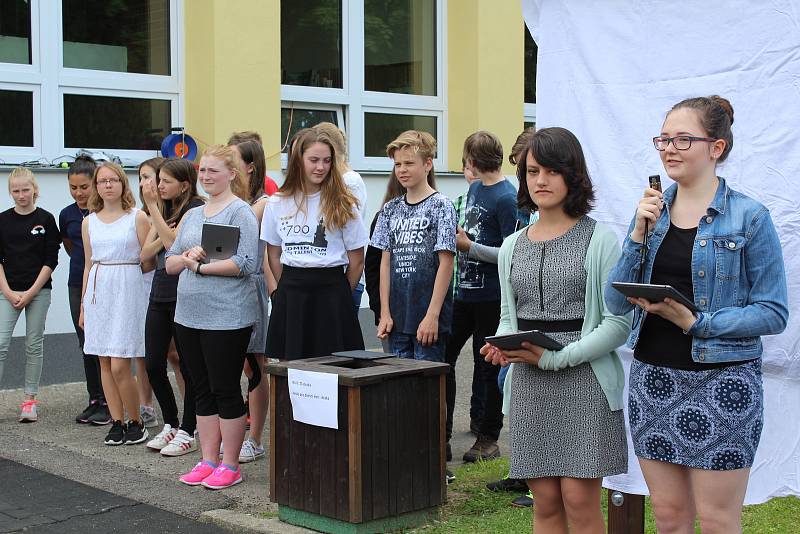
<point x="557" y="149"/>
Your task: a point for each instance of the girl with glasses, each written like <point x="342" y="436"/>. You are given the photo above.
<point x="115" y="296"/>
<point x="696" y="399"/>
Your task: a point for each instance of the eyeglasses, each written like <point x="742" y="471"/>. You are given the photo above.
<point x="680" y="142"/>
<point x="109" y="181"/>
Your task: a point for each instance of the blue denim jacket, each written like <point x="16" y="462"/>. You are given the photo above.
<point x="737" y="275"/>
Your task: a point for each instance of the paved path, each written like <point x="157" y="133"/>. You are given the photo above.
<point x="39" y="502"/>
<point x="145" y="481"/>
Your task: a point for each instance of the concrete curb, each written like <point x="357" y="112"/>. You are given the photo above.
<point x="246" y="523"/>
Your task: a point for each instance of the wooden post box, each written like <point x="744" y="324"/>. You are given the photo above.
<point x="383" y="469"/>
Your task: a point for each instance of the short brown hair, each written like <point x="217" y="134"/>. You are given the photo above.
<point x="484" y="150"/>
<point x="557" y="149"/>
<point x="421" y="143"/>
<point x="238" y="138"/>
<point x="521" y="144"/>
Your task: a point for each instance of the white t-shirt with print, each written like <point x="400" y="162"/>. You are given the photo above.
<point x="303" y="238"/>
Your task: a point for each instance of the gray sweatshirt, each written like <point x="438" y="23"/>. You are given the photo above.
<point x="208" y="302"/>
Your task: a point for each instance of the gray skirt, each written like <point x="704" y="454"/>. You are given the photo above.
<point x="561" y="425"/>
<point x="258" y="339"/>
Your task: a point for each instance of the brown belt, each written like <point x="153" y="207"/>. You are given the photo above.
<point x="97" y="273"/>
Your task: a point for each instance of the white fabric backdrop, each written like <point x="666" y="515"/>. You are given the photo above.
<point x="610" y="70"/>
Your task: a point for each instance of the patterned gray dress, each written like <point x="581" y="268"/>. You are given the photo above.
<point x="560" y="422"/>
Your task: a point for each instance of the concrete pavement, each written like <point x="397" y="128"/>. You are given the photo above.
<point x="59" y="446"/>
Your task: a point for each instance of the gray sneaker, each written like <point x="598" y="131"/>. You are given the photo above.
<point x="149" y="418"/>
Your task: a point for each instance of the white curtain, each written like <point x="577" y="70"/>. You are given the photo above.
<point x="609" y="71"/>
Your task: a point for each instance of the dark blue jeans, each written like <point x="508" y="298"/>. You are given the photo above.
<point x="407" y="346"/>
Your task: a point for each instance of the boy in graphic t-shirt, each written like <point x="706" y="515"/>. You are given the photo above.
<point x="416" y="233"/>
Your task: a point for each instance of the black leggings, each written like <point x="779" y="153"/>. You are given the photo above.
<point x="158" y="330"/>
<point x="91" y="365"/>
<point x="215" y="359"/>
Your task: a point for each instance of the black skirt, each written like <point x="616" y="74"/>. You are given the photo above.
<point x="312" y="314"/>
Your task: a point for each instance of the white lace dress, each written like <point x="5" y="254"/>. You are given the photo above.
<point x="115" y="302"/>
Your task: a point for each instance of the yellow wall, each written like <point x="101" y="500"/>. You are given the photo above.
<point x="232" y="58"/>
<point x="485" y="48"/>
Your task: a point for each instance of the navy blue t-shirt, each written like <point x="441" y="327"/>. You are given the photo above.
<point x="490" y="215"/>
<point x="69" y="222"/>
<point x="414" y="234"/>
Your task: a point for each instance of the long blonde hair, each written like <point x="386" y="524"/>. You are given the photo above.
<point x="230" y="158"/>
<point x="337" y="202"/>
<point x="96" y="204"/>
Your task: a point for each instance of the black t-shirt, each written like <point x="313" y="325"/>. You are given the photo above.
<point x="165" y="286"/>
<point x="28" y="243"/>
<point x="661" y="342"/>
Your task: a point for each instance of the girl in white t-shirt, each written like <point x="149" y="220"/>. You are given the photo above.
<point x="313" y="230"/>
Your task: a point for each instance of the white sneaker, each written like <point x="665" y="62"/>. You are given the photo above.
<point x="250" y="451"/>
<point x="162" y="439"/>
<point x="181" y="444"/>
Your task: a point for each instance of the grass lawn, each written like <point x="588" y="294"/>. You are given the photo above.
<point x="472" y="509"/>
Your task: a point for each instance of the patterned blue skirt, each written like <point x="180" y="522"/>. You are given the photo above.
<point x="701" y="419"/>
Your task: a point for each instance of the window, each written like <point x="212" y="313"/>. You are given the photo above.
<point x="15" y="32"/>
<point x="87" y="124"/>
<point x="381" y="128"/>
<point x="89" y="74"/>
<point x="16" y="116"/>
<point x="531" y="52"/>
<point x="400" y="46"/>
<point x="311" y="54"/>
<point x="375" y="66"/>
<point x="130" y="36"/>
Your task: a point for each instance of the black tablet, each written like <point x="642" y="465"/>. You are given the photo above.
<point x="653" y="293"/>
<point x="514" y="341"/>
<point x="220" y="241"/>
<point x="362" y="354"/>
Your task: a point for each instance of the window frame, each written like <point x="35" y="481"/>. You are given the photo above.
<point x="356" y="101"/>
<point x="52" y="80"/>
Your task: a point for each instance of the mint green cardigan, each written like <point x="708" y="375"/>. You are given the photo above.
<point x="602" y="331"/>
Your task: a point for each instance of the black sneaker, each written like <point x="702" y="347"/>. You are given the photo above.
<point x="83" y="417"/>
<point x="449" y="476"/>
<point x="135" y="432"/>
<point x="101" y="416"/>
<point x="523" y="501"/>
<point x="115" y="436"/>
<point x="507" y="484"/>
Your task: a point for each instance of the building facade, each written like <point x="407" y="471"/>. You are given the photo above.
<point x="115" y="77"/>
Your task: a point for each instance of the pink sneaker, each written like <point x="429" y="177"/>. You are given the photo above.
<point x="198" y="473"/>
<point x="222" y="477"/>
<point x="28" y="413"/>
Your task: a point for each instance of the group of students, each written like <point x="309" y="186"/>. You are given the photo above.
<point x="437" y="273"/>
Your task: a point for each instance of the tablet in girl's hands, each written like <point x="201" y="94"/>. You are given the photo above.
<point x="514" y="341"/>
<point x="653" y="293"/>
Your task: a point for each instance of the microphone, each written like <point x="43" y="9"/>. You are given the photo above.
<point x="655" y="183"/>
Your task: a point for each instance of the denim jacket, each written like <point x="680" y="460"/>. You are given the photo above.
<point x="738" y="277"/>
